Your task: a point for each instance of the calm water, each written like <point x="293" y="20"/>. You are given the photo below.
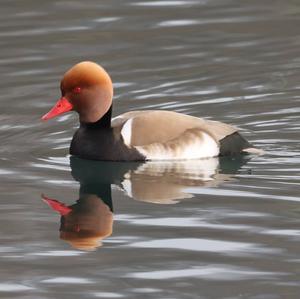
<point x="225" y="228"/>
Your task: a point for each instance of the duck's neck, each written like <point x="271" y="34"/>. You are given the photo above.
<point x="103" y="122"/>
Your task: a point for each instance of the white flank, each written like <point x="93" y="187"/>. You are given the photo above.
<point x="126" y="132"/>
<point x="205" y="148"/>
<point x="201" y="146"/>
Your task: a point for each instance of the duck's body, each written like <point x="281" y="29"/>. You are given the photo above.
<point x="137" y="135"/>
<point x="130" y="137"/>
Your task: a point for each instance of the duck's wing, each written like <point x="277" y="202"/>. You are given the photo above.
<point x="165" y="135"/>
<point x="140" y="128"/>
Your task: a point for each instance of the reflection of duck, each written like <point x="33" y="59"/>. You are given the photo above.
<point x="157" y="182"/>
<point x="85" y="223"/>
<point x="165" y="182"/>
<point x="90" y="220"/>
<point x="136" y="135"/>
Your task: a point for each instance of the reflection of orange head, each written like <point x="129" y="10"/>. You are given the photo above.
<point x="85" y="224"/>
<point x="57" y="206"/>
<point x="89" y="222"/>
<point x="83" y="242"/>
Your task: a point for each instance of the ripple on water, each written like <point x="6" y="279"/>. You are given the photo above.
<point x="182" y="222"/>
<point x="209" y="272"/>
<point x="58" y="163"/>
<point x="67" y="280"/>
<point x="56" y="253"/>
<point x="166" y="3"/>
<point x="14" y="287"/>
<point x="107" y="295"/>
<point x="206" y="245"/>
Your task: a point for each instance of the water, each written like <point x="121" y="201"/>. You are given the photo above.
<point x="213" y="229"/>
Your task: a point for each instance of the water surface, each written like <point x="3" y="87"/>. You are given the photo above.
<point x="224" y="228"/>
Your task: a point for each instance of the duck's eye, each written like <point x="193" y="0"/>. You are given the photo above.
<point x="77" y="90"/>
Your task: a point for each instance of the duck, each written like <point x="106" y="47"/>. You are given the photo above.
<point x="137" y="135"/>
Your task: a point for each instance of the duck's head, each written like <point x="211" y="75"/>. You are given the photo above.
<point x="87" y="89"/>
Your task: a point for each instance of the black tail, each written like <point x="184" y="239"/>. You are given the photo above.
<point x="233" y="144"/>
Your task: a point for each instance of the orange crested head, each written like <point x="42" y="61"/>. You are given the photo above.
<point x="86" y="88"/>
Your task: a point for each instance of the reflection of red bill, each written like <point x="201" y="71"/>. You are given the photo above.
<point x="57" y="206"/>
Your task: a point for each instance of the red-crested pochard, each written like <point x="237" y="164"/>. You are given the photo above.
<point x="136" y="135"/>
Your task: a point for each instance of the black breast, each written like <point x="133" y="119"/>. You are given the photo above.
<point x="98" y="143"/>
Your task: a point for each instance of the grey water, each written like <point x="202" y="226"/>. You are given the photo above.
<point x="218" y="228"/>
